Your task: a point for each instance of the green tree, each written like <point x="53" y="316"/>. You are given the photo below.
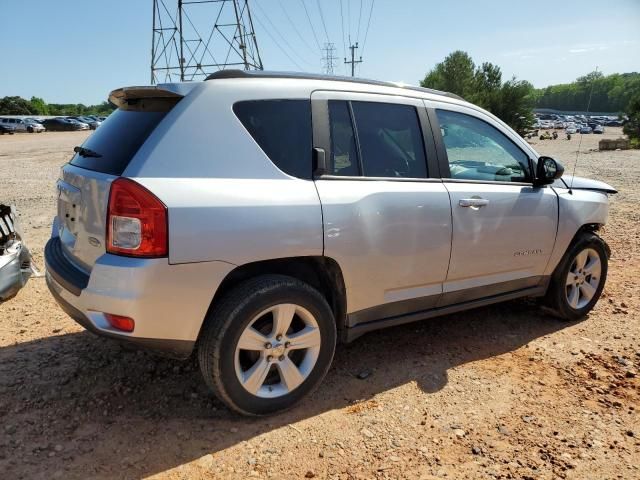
<point x="15" y="106"/>
<point x="609" y="93"/>
<point x="632" y="125"/>
<point x="511" y="101"/>
<point x="39" y="106"/>
<point x="455" y="74"/>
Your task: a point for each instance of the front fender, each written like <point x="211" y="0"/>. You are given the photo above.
<point x="575" y="210"/>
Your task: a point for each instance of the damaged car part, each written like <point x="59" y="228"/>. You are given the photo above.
<point x="15" y="259"/>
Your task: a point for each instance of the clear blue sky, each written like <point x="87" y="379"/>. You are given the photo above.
<point x="68" y="51"/>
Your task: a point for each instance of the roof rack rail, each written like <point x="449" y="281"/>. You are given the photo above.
<point x="316" y="76"/>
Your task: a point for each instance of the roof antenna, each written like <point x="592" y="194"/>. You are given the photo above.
<point x="573" y="174"/>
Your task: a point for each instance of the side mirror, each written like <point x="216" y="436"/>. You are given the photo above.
<point x="548" y="170"/>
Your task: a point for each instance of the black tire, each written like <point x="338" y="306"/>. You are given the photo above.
<point x="556" y="296"/>
<point x="30" y="129"/>
<point x="228" y="319"/>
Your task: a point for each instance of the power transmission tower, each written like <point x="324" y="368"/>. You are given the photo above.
<point x="328" y="59"/>
<point x="353" y="60"/>
<point x="194" y="38"/>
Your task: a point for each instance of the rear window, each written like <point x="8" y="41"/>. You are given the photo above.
<point x="282" y="128"/>
<point x="117" y="140"/>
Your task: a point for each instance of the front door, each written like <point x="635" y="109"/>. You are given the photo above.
<point x="504" y="228"/>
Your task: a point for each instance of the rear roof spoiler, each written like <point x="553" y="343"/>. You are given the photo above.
<point x="121" y="96"/>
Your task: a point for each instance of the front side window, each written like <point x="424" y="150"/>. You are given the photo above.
<point x="478" y="151"/>
<point x="282" y="128"/>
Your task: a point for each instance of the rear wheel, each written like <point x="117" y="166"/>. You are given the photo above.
<point x="579" y="279"/>
<point x="267" y="344"/>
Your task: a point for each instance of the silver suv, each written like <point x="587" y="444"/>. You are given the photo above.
<point x="263" y="217"/>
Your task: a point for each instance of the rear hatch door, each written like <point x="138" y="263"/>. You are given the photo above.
<point x="84" y="185"/>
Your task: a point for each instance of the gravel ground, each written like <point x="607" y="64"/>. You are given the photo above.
<point x="499" y="392"/>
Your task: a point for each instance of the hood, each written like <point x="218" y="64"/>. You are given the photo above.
<point x="581" y="183"/>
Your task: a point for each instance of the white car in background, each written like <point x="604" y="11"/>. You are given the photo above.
<point x="33" y="126"/>
<point x="23" y="124"/>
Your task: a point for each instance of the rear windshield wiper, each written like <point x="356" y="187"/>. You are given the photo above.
<point x="85" y="152"/>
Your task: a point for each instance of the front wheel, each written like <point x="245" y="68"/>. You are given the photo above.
<point x="579" y="279"/>
<point x="267" y="344"/>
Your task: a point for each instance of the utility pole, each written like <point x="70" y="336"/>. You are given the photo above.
<point x="353" y="61"/>
<point x="329" y="58"/>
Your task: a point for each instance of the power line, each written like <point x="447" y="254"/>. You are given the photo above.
<point x="324" y="25"/>
<point x="311" y="24"/>
<point x="349" y="19"/>
<point x="295" y="29"/>
<point x="277" y="44"/>
<point x="344" y="41"/>
<point x="359" y="20"/>
<point x="284" y="40"/>
<point x="366" y="32"/>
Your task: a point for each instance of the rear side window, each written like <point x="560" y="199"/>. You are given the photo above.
<point x="390" y="139"/>
<point x="282" y="128"/>
<point x="117" y="140"/>
<point x="344" y="152"/>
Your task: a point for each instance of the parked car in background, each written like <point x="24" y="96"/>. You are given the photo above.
<point x="6" y="128"/>
<point x="18" y="123"/>
<point x="598" y="129"/>
<point x="83" y="125"/>
<point x="91" y="122"/>
<point x="33" y="126"/>
<point x="585" y="129"/>
<point x="60" y="124"/>
<point x="571" y="130"/>
<point x="279" y="231"/>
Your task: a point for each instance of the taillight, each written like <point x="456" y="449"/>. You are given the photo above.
<point x="136" y="221"/>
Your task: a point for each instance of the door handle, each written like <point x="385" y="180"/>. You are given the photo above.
<point x="473" y="202"/>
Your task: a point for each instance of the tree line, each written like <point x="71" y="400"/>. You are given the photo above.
<point x="611" y="93"/>
<point x="37" y="106"/>
<point x="513" y="101"/>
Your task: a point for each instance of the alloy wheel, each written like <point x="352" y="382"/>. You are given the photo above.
<point x="277" y="350"/>
<point x="583" y="278"/>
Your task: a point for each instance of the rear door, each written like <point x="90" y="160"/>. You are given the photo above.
<point x="83" y="189"/>
<point x="386" y="222"/>
<point x="504" y="228"/>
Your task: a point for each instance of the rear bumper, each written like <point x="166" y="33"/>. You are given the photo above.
<point x="180" y="349"/>
<point x="167" y="302"/>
